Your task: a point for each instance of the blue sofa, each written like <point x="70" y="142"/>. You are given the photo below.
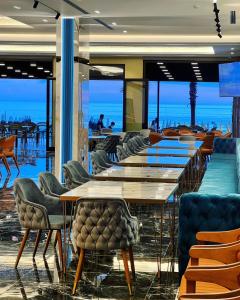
<point x="216" y="205"/>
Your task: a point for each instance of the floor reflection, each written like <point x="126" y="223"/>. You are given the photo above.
<point x="103" y="276"/>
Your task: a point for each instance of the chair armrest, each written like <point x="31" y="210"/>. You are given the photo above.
<point x="219" y="236"/>
<point x="226" y="295"/>
<point x="226" y="276"/>
<point x="53" y="205"/>
<point x="225" y="253"/>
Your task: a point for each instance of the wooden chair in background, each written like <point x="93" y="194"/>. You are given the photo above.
<point x="8" y="149"/>
<point x="3" y="157"/>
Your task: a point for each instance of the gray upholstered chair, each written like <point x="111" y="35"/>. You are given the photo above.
<point x="105" y="224"/>
<point x="85" y="177"/>
<point x="37" y="211"/>
<point x="121" y="153"/>
<point x="128" y="150"/>
<point x="97" y="164"/>
<point x="105" y="159"/>
<point x="49" y="185"/>
<point x="72" y="177"/>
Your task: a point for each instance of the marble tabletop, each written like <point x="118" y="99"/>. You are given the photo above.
<point x="141" y="174"/>
<point x="168" y="152"/>
<point x="178" y="144"/>
<point x="155" y="161"/>
<point x="132" y="192"/>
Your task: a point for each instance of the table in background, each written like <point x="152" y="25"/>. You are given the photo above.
<point x="168" y="152"/>
<point x="155" y="161"/>
<point x="177" y="144"/>
<point x="146" y="174"/>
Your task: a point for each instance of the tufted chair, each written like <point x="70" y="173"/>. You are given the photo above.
<point x="72" y="177"/>
<point x="129" y="135"/>
<point x="109" y="145"/>
<point x="223" y="145"/>
<point x="121" y="153"/>
<point x="105" y="224"/>
<point x="134" y="145"/>
<point x="49" y="185"/>
<point x="97" y="164"/>
<point x="37" y="212"/>
<point x="204" y="212"/>
<point x="128" y="150"/>
<point x="104" y="157"/>
<point x="85" y="177"/>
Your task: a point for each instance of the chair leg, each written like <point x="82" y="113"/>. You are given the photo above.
<point x="16" y="162"/>
<point x="23" y="243"/>
<point x="4" y="160"/>
<point x="130" y="251"/>
<point x="37" y="242"/>
<point x="59" y="240"/>
<point x="79" y="270"/>
<point x="127" y="273"/>
<point x="47" y="242"/>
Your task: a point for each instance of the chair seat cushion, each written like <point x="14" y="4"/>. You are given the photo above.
<point x="57" y="221"/>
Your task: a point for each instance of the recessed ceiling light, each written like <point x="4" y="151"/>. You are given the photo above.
<point x="162" y="67"/>
<point x="17" y="71"/>
<point x="199" y="79"/>
<point x="46" y="71"/>
<point x="167" y="73"/>
<point x="160" y="63"/>
<point x="114" y="23"/>
<point x="33" y="65"/>
<point x="195" y="67"/>
<point x="51" y="74"/>
<point x="194" y="63"/>
<point x="40" y="68"/>
<point x="30" y="76"/>
<point x="17" y="7"/>
<point x="45" y="20"/>
<point x="97" y="11"/>
<point x="24" y="73"/>
<point x="9" y="67"/>
<point x="2" y="64"/>
<point x="3" y="75"/>
<point x="124" y="31"/>
<point x="171" y="78"/>
<point x="232" y="48"/>
<point x="232" y="53"/>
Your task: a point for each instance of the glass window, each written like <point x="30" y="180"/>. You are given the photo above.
<point x="174" y="104"/>
<point x="211" y="109"/>
<point x="106" y="97"/>
<point x="23" y="100"/>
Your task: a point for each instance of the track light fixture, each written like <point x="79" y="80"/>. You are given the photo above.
<point x="57" y="15"/>
<point x="217" y="19"/>
<point x="233" y="17"/>
<point x="35" y="4"/>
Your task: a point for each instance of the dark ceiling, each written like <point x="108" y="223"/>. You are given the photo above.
<point x="20" y="69"/>
<point x="181" y="71"/>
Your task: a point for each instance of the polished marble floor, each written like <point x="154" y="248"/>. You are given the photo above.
<point x="103" y="276"/>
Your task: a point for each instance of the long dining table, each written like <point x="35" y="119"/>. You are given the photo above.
<point x="173" y="144"/>
<point x="184" y="152"/>
<point x="155" y="161"/>
<point x="147" y="174"/>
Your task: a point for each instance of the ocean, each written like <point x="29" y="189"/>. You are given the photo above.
<point x="170" y="115"/>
